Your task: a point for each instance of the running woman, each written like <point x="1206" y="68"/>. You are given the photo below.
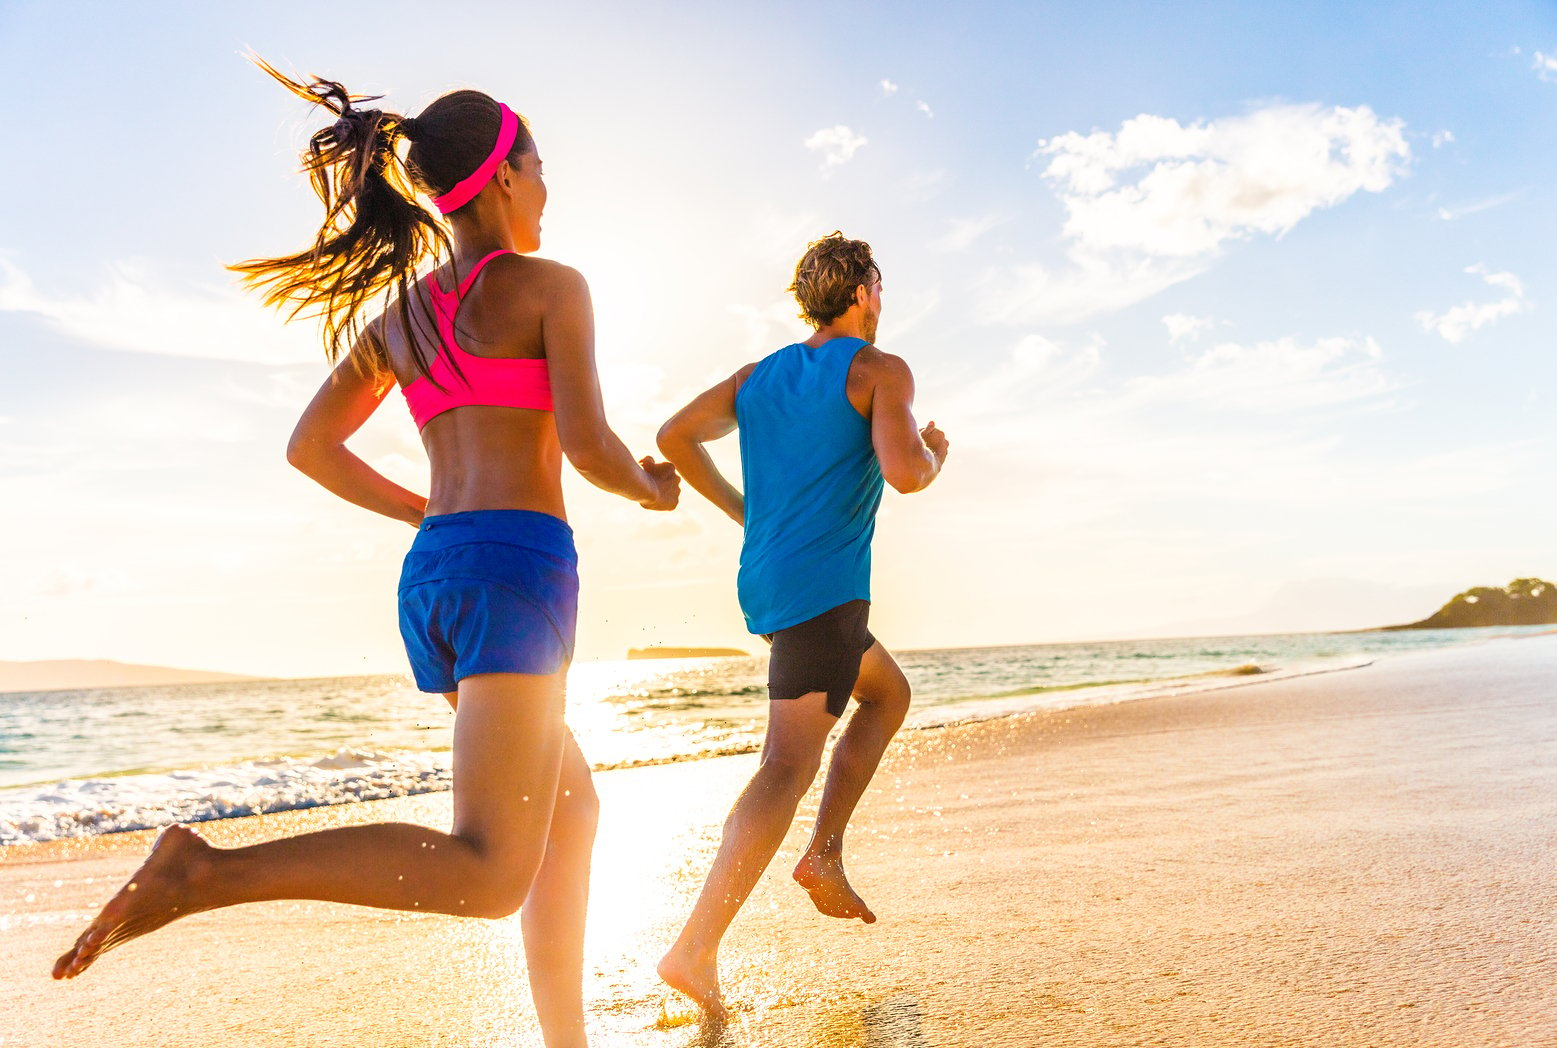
<point x="822" y="423"/>
<point x="493" y="351"/>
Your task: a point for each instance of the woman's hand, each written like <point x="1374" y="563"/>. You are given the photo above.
<point x="667" y="484"/>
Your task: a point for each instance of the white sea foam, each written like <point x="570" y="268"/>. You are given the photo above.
<point x="88" y="807"/>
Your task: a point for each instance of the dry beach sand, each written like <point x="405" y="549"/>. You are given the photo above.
<point x="1365" y="857"/>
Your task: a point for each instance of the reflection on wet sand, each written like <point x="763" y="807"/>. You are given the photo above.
<point x="896" y="1022"/>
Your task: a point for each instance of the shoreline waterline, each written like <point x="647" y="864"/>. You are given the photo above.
<point x="639" y="717"/>
<point x="983" y="709"/>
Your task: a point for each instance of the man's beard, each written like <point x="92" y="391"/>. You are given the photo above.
<point x="870" y="328"/>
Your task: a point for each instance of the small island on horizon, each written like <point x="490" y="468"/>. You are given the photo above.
<point x="80" y="674"/>
<point x="1523" y="602"/>
<point x="660" y="651"/>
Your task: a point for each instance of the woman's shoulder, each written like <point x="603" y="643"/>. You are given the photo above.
<point x="529" y="275"/>
<point x="533" y="267"/>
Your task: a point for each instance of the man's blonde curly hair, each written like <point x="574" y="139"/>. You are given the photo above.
<point x="827" y="275"/>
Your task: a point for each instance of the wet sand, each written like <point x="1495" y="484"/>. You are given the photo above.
<point x="1366" y="857"/>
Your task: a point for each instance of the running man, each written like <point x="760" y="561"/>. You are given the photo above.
<point x="822" y="424"/>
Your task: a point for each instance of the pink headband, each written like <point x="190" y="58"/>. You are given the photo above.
<point x="468" y="187"/>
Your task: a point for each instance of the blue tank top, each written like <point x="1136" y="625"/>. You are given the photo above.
<point x="812" y="487"/>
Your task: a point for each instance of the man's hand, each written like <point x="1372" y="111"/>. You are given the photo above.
<point x="936" y="441"/>
<point x="666" y="482"/>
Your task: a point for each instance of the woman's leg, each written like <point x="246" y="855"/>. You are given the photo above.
<point x="508" y="744"/>
<point x="553" y="913"/>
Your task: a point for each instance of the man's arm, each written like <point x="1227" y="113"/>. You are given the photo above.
<point x="910" y="457"/>
<point x="711" y="415"/>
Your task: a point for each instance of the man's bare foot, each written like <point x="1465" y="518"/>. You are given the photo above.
<point x="821" y="875"/>
<point x="159" y="892"/>
<point x="695" y="976"/>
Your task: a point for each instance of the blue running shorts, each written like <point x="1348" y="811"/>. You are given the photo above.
<point x="488" y="591"/>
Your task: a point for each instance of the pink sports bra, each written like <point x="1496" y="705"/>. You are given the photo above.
<point x="505" y="382"/>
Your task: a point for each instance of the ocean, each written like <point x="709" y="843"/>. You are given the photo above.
<point x="106" y="760"/>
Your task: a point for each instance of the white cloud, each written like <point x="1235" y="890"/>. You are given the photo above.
<point x="1272" y="377"/>
<point x="1449" y="214"/>
<point x="916" y="187"/>
<point x="1442" y="138"/>
<point x="1038" y="359"/>
<point x="1031" y="293"/>
<point x="767" y="328"/>
<point x="780" y="237"/>
<point x="924" y="107"/>
<point x="135" y="311"/>
<point x="964" y="231"/>
<point x="1456" y="323"/>
<point x="1197" y="187"/>
<point x="1246" y="423"/>
<point x="1154" y="203"/>
<point x="1047" y="393"/>
<point x="1545" y="66"/>
<point x="1182" y="326"/>
<point x="836" y="144"/>
<point x="901" y="318"/>
<point x="1006" y="406"/>
<point x="888" y="88"/>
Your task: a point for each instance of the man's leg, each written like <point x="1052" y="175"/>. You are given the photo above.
<point x="883" y="693"/>
<point x="791" y="755"/>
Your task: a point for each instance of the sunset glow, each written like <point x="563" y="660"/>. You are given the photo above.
<point x="1234" y="325"/>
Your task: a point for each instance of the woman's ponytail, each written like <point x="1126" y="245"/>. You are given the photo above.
<point x="375" y="234"/>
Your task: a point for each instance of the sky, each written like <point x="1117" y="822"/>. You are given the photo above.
<point x="1239" y="318"/>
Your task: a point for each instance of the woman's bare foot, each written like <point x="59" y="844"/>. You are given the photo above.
<point x="696" y="976"/>
<point x="159" y="892"/>
<point x="821" y="875"/>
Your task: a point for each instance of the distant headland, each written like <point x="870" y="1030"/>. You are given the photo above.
<point x="659" y="651"/>
<point x="1523" y="602"/>
<point x="70" y="674"/>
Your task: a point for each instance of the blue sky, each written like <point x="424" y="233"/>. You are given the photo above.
<point x="1238" y="317"/>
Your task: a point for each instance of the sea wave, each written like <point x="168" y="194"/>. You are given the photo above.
<point x="97" y="762"/>
<point x="114" y="804"/>
<point x="89" y="807"/>
<point x="680" y="695"/>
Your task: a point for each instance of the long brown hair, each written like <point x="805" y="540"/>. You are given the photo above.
<point x="376" y="234"/>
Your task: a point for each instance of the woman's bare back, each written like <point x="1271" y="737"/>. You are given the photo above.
<point x="487" y="457"/>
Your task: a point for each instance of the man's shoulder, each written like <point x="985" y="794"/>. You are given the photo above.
<point x="873" y="362"/>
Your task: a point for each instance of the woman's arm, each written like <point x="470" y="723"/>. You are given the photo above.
<point x="318" y="445"/>
<point x="587" y="439"/>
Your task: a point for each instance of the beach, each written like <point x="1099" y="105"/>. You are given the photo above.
<point x="1359" y="857"/>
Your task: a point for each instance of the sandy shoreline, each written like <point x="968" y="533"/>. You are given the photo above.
<point x="1357" y="858"/>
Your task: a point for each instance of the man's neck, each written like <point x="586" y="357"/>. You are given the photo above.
<point x="844" y="327"/>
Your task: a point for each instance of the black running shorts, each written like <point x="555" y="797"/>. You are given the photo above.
<point x="821" y="654"/>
